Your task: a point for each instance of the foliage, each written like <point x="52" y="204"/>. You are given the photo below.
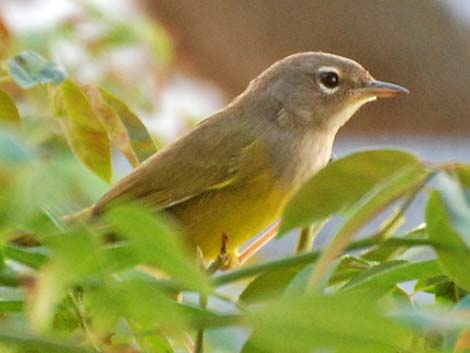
<point x="66" y="288"/>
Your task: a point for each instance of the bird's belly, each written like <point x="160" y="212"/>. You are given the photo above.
<point x="240" y="211"/>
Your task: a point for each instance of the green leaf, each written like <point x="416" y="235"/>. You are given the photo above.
<point x="76" y="256"/>
<point x="457" y="205"/>
<point x="140" y="138"/>
<point x="299" y="283"/>
<point x="397" y="245"/>
<point x="141" y="302"/>
<point x="27" y="344"/>
<point x="269" y="285"/>
<point x="8" y="110"/>
<point x="66" y="318"/>
<point x="156" y="242"/>
<point x="442" y="287"/>
<point x="32" y="257"/>
<point x="155" y="343"/>
<point x="349" y="267"/>
<point x="342" y="183"/>
<point x="28" y="69"/>
<point x="453" y="253"/>
<point x="347" y="323"/>
<point x="387" y="275"/>
<point x="250" y="347"/>
<point x="9" y="277"/>
<point x="85" y="132"/>
<point x="463" y="174"/>
<point x="382" y="195"/>
<point x="11" y="306"/>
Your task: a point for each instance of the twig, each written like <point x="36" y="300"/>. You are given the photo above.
<point x="310" y="257"/>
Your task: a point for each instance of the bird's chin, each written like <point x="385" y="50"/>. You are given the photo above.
<point x="341" y="117"/>
<point x="366" y="99"/>
<point x="358" y="100"/>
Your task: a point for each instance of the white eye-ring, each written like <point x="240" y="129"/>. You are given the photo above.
<point x="328" y="79"/>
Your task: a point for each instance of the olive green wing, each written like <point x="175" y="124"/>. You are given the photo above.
<point x="209" y="157"/>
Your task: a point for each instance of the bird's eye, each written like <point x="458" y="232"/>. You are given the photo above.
<point x="329" y="79"/>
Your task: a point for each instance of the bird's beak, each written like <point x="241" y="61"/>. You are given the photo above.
<point x="382" y="89"/>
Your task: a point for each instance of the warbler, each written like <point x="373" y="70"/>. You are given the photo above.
<point x="234" y="172"/>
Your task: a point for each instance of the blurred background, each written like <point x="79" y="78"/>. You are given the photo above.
<point x="176" y="62"/>
<point x="207" y="52"/>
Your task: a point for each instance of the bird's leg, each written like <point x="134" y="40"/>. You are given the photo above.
<point x="226" y="259"/>
<point x="229" y="259"/>
<point x="217" y="264"/>
<point x="256" y="246"/>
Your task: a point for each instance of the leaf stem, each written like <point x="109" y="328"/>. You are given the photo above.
<point x="395" y="222"/>
<point x="310" y="257"/>
<point x="305" y="241"/>
<point x="199" y="347"/>
<point x="363" y="212"/>
<point x="307" y="237"/>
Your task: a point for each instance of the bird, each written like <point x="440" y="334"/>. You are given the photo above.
<point x="233" y="173"/>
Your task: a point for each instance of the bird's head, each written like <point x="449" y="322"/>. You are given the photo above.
<point x="320" y="89"/>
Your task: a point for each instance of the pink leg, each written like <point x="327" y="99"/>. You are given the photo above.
<point x="259" y="243"/>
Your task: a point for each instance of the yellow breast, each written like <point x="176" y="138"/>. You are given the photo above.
<point x="241" y="211"/>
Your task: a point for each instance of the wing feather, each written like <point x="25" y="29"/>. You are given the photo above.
<point x="207" y="158"/>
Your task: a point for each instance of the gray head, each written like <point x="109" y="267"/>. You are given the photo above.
<point x="319" y="89"/>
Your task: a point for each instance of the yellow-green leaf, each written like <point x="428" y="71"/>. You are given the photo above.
<point x="23" y="343"/>
<point x="451" y="249"/>
<point x="139" y="136"/>
<point x="8" y="110"/>
<point x="85" y="132"/>
<point x="386" y="275"/>
<point x="76" y="256"/>
<point x="405" y="180"/>
<point x="113" y="124"/>
<point x="155" y="242"/>
<point x="463" y="174"/>
<point x="268" y="285"/>
<point x="340" y="184"/>
<point x="345" y="323"/>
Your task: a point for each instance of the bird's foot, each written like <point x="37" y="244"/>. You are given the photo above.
<point x="226" y="259"/>
<point x="230" y="260"/>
